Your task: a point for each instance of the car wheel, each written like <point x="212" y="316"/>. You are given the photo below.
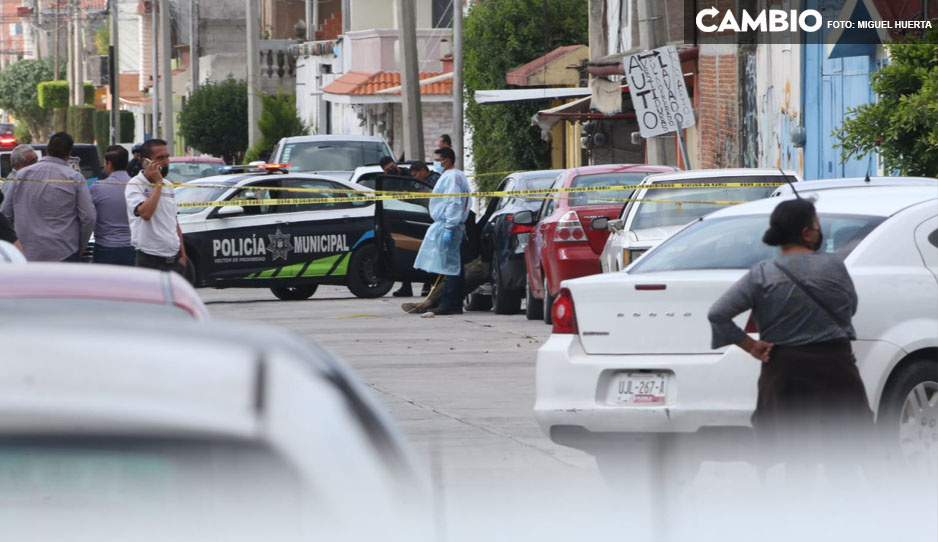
<point x="909" y="413"/>
<point x="533" y="307"/>
<point x="503" y="301"/>
<point x="294" y="293"/>
<point x="548" y="303"/>
<point x="363" y="280"/>
<point x="191" y="275"/>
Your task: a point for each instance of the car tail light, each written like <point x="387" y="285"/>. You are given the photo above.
<point x="569" y="228"/>
<point x="564" y="314"/>
<point x="517" y="229"/>
<point x="7" y="141"/>
<point x="751" y="325"/>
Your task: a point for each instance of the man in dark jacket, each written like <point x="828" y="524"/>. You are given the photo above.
<point x="420" y="170"/>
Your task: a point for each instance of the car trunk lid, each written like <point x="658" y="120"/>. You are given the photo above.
<point x="654" y="313"/>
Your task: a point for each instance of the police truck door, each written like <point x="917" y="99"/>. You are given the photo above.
<point x="400" y="225"/>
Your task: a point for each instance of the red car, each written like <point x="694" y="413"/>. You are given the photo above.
<point x="563" y="244"/>
<point x="7" y="139"/>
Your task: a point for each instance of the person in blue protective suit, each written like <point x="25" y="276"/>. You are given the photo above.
<point x="440" y="250"/>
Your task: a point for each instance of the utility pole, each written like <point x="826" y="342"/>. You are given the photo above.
<point x="114" y="75"/>
<point x="154" y="70"/>
<point x="410" y="81"/>
<point x="253" y="69"/>
<point x="651" y="35"/>
<point x="193" y="46"/>
<point x="167" y="71"/>
<point x="457" y="83"/>
<point x="69" y="52"/>
<point x="315" y="26"/>
<point x="3" y="55"/>
<point x="309" y="19"/>
<point x="78" y="57"/>
<point x="56" y="42"/>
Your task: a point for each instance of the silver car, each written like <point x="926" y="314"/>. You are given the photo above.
<point x="656" y="213"/>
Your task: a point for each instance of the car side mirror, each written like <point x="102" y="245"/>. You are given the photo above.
<point x="600" y="223"/>
<point x="523" y="218"/>
<point x="616" y="225"/>
<point x="230" y="211"/>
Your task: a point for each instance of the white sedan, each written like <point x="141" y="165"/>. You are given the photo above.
<point x="630" y="351"/>
<point x="158" y="430"/>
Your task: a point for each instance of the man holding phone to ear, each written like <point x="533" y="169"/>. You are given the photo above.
<point x="151" y="212"/>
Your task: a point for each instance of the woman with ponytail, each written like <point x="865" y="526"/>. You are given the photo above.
<point x="811" y="401"/>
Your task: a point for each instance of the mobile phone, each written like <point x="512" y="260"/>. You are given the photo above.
<point x="146" y="162"/>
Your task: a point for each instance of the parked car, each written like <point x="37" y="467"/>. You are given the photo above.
<point x="503" y="242"/>
<point x="647" y="221"/>
<point x="7" y="139"/>
<point x="368" y="175"/>
<point x="290" y="248"/>
<point x="156" y="430"/>
<point x="85" y="157"/>
<point x="50" y="289"/>
<point x="563" y="244"/>
<point x="816" y="186"/>
<point x="183" y="169"/>
<point x="334" y="155"/>
<point x="649" y="324"/>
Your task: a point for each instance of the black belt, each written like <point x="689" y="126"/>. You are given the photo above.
<point x="169" y="260"/>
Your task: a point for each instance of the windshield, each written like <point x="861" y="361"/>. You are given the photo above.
<point x="658" y="213"/>
<point x="190" y="171"/>
<point x="530" y="203"/>
<point x="601" y="197"/>
<point x="332" y="155"/>
<point x="197" y="194"/>
<point x="736" y="243"/>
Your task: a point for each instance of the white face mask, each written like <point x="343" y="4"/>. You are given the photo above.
<point x="437" y="167"/>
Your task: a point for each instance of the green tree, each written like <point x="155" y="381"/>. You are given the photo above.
<point x="215" y="120"/>
<point x="279" y="119"/>
<point x="102" y="39"/>
<point x="903" y="123"/>
<point x="18" y="94"/>
<point x="499" y="36"/>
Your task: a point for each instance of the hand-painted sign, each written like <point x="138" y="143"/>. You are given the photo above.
<point x="656" y="84"/>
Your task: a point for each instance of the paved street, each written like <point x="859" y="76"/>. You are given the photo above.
<point x="461" y="387"/>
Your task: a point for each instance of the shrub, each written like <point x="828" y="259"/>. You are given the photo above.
<point x="53" y="94"/>
<point x="80" y="123"/>
<point x="279" y="119"/>
<point x="215" y="120"/>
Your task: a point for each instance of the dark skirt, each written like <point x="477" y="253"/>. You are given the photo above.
<point x="812" y="401"/>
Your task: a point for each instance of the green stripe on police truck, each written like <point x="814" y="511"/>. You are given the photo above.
<point x="337" y="263"/>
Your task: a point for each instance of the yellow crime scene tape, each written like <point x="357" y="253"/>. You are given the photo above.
<point x="361" y="196"/>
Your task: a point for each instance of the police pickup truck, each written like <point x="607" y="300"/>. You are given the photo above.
<point x="290" y="248"/>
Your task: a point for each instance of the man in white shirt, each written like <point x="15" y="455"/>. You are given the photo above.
<point x="151" y="213"/>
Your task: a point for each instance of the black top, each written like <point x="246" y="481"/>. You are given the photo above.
<point x="6" y="232"/>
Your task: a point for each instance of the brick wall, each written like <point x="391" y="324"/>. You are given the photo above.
<point x="718" y="111"/>
<point x="437" y="120"/>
